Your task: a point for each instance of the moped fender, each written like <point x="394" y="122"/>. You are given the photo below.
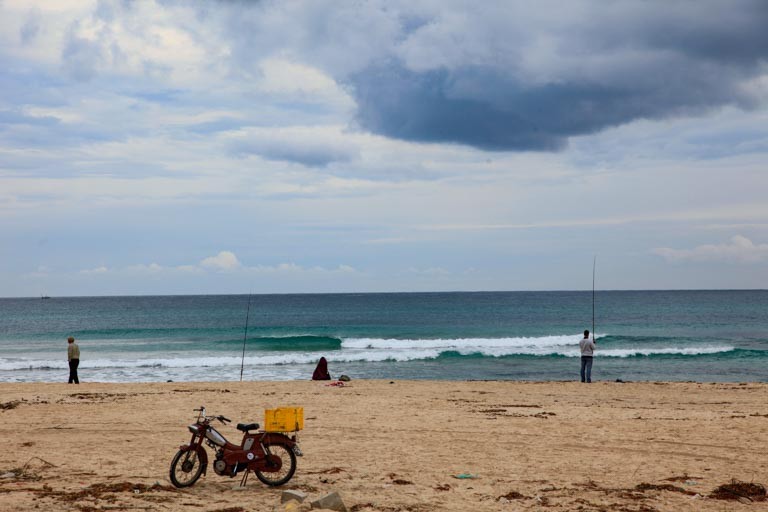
<point x="200" y="453"/>
<point x="277" y="438"/>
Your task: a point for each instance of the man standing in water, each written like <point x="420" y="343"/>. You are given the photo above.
<point x="587" y="347"/>
<point x="73" y="354"/>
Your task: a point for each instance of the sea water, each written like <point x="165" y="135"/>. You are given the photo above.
<point x="641" y="335"/>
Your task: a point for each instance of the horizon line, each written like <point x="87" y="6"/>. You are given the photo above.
<point x="610" y="290"/>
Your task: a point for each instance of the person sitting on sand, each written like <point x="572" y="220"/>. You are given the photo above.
<point x="321" y="372"/>
<point x="73" y="355"/>
<point x="587" y="348"/>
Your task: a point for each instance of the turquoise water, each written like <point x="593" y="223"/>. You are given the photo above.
<point x="643" y="335"/>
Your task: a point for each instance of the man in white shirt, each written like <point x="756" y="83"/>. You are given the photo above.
<point x="73" y="354"/>
<point x="587" y="347"/>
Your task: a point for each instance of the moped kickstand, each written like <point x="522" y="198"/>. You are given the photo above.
<point x="245" y="478"/>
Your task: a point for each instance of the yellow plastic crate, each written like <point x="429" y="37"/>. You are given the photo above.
<point x="284" y="419"/>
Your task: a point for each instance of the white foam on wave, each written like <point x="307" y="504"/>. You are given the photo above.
<point x="459" y="344"/>
<point x="370" y="350"/>
<point x="281" y="358"/>
<point x="687" y="351"/>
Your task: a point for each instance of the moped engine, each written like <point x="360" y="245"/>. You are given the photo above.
<point x="220" y="467"/>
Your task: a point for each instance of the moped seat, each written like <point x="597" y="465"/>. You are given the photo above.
<point x="245" y="427"/>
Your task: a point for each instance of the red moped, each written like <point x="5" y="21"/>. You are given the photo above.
<point x="270" y="455"/>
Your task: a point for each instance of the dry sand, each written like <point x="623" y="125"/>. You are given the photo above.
<point x="395" y="446"/>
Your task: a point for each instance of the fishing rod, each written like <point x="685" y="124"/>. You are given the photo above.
<point x="245" y="335"/>
<point x="594" y="264"/>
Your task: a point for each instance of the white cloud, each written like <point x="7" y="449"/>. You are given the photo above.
<point x="740" y="250"/>
<point x="152" y="268"/>
<point x="301" y="82"/>
<point x="98" y="270"/>
<point x="311" y="146"/>
<point x="188" y="268"/>
<point x="294" y="269"/>
<point x="42" y="272"/>
<point x="432" y="271"/>
<point x="225" y="260"/>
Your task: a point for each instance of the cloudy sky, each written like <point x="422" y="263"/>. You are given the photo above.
<point x="172" y="147"/>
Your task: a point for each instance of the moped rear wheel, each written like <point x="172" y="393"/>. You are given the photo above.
<point x="287" y="467"/>
<point x="186" y="468"/>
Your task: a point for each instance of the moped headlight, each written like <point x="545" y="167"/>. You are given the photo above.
<point x="195" y="429"/>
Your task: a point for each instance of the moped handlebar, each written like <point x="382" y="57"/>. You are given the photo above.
<point x="200" y="413"/>
<point x="220" y="417"/>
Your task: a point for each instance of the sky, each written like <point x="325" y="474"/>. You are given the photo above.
<point x="173" y="147"/>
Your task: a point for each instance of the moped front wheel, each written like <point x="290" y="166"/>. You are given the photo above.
<point x="282" y="472"/>
<point x="186" y="468"/>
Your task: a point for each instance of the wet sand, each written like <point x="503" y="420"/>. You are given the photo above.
<point x="395" y="445"/>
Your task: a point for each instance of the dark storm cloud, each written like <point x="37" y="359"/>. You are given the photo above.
<point x="730" y="32"/>
<point x="425" y="107"/>
<point x="616" y="65"/>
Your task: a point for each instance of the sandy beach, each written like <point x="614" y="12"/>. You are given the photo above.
<point x="395" y="445"/>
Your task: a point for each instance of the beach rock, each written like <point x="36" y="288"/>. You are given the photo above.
<point x="331" y="501"/>
<point x="295" y="506"/>
<point x="293" y="495"/>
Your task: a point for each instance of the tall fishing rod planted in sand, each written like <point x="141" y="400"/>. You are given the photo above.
<point x="245" y="335"/>
<point x="594" y="265"/>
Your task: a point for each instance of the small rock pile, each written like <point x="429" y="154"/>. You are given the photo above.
<point x="297" y="501"/>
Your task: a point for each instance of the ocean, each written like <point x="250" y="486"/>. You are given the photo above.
<point x="705" y="336"/>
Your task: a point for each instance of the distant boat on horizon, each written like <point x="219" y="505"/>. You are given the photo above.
<point x="44" y="297"/>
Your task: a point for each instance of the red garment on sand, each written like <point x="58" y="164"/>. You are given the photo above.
<point x="321" y="372"/>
